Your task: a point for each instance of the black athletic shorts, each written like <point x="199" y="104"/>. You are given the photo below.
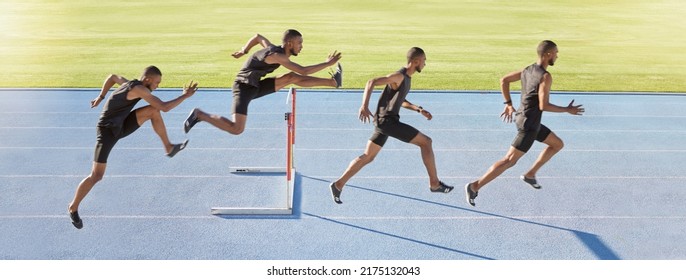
<point x="392" y="127"/>
<point x="525" y="138"/>
<point x="244" y="93"/>
<point x="108" y="136"/>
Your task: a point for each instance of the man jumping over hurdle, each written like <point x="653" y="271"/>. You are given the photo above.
<point x="536" y="83"/>
<point x="387" y="123"/>
<point x="248" y="84"/>
<point x="118" y="121"/>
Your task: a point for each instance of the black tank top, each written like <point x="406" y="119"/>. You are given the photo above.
<point x="391" y="100"/>
<point x="118" y="107"/>
<point x="529" y="113"/>
<point x="255" y="68"/>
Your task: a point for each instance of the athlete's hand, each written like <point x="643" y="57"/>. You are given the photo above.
<point x="95" y="102"/>
<point x="238" y="54"/>
<point x="426" y="114"/>
<point x="575" y="109"/>
<point x="365" y="114"/>
<point x="333" y="58"/>
<point x="189" y="89"/>
<point x="507" y="113"/>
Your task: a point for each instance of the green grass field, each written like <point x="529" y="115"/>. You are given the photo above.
<point x="614" y="45"/>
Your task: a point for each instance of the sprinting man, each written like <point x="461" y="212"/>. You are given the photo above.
<point x="249" y="84"/>
<point x="387" y="123"/>
<point x="117" y="121"/>
<point x="536" y="82"/>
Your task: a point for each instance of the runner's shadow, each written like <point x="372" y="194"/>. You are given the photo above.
<point x="398" y="236"/>
<point x="593" y="242"/>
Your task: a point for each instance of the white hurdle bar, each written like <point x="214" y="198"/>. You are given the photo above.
<point x="289" y="172"/>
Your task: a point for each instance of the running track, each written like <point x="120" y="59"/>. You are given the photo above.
<point x="615" y="192"/>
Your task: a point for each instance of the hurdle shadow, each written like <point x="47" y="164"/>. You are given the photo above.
<point x="297" y="202"/>
<point x="593" y="242"/>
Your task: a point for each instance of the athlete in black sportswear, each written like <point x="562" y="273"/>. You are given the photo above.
<point x="387" y="123"/>
<point x="117" y="121"/>
<point x="248" y="85"/>
<point x="536" y="82"/>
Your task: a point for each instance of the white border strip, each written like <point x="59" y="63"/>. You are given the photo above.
<point x="419" y="218"/>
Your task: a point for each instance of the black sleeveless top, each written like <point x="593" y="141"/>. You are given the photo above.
<point x="529" y="113"/>
<point x="255" y="68"/>
<point x="118" y="107"/>
<point x="391" y="100"/>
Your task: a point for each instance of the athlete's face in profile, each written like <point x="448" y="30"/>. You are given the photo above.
<point x="419" y="63"/>
<point x="295" y="45"/>
<point x="152" y="82"/>
<point x="552" y="56"/>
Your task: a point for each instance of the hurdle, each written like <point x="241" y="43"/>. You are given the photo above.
<point x="289" y="171"/>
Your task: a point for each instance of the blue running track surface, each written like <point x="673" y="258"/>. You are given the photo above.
<point x="616" y="190"/>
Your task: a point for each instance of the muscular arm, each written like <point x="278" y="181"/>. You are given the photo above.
<point x="506" y="81"/>
<point x="302" y="70"/>
<point x="254" y="41"/>
<point x="408" y="105"/>
<point x="144" y="93"/>
<point x="544" y="99"/>
<point x="110" y="81"/>
<point x="393" y="80"/>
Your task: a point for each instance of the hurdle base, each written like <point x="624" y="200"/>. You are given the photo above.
<point x="256" y="211"/>
<point x="248" y="170"/>
<point x="251" y="211"/>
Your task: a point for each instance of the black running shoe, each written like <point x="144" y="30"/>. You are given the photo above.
<point x="190" y="121"/>
<point x="338" y="76"/>
<point x="177" y="148"/>
<point x="75" y="219"/>
<point x="531" y="181"/>
<point x="470" y="194"/>
<point x="442" y="188"/>
<point x="335" y="193"/>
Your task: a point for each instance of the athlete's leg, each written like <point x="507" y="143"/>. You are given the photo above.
<point x="520" y="145"/>
<point x="146" y="113"/>
<point x="510" y="159"/>
<point x="356" y="164"/>
<point x="97" y="172"/>
<point x="242" y="95"/>
<point x="235" y="127"/>
<point x="554" y="145"/>
<point x="302" y="81"/>
<point x="425" y="145"/>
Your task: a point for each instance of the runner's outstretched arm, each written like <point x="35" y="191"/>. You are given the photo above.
<point x="283" y="59"/>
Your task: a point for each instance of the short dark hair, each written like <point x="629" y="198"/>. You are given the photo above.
<point x="290" y="34"/>
<point x="413" y="53"/>
<point x="151" y="70"/>
<point x="545" y="46"/>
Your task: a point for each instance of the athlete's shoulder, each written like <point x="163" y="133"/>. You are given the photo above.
<point x="274" y="49"/>
<point x="397" y="75"/>
<point x="136" y="88"/>
<point x="134" y="82"/>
